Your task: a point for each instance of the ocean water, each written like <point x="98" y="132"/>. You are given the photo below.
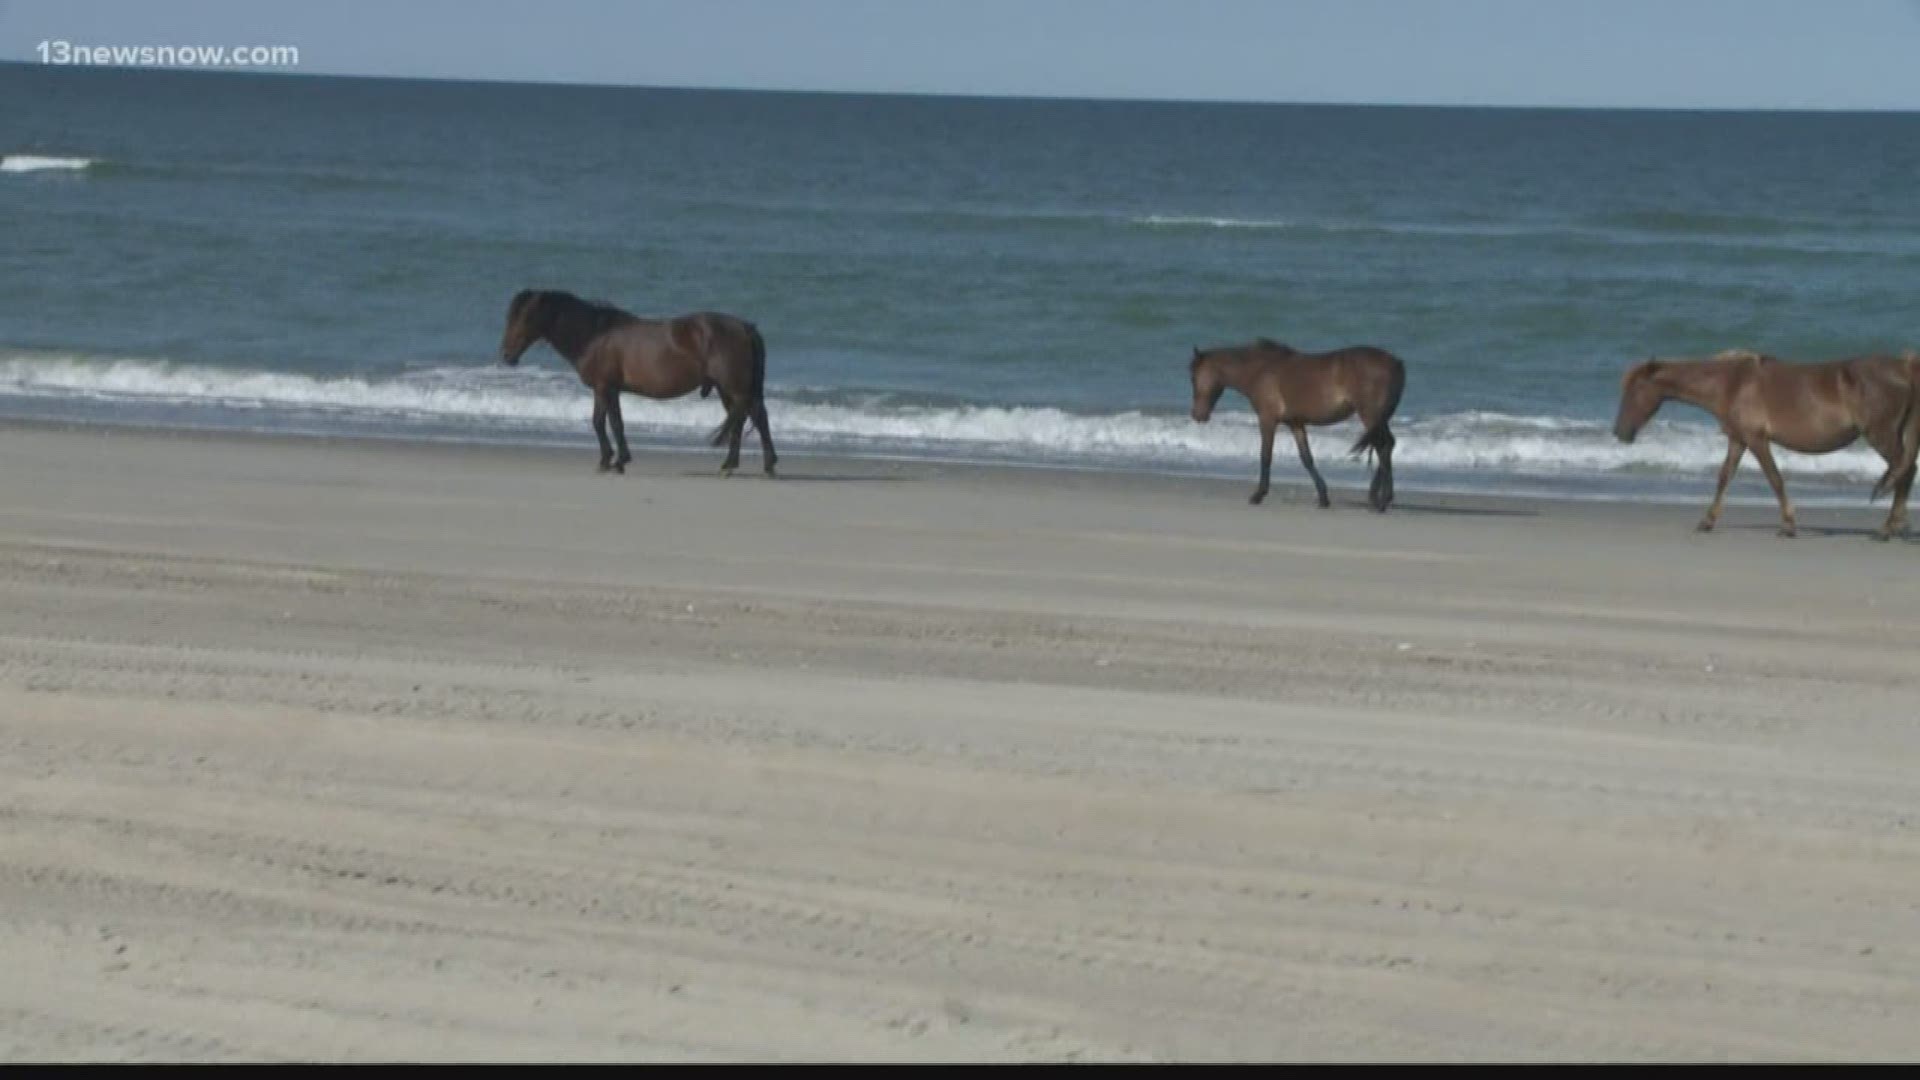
<point x="997" y="280"/>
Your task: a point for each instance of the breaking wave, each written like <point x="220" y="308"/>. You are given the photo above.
<point x="498" y="402"/>
<point x="27" y="163"/>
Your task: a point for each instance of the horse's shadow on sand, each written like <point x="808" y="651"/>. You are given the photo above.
<point x="1821" y="532"/>
<point x="786" y="477"/>
<point x="1463" y="511"/>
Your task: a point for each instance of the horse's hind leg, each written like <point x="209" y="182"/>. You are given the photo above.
<point x="1763" y="453"/>
<point x="600" y="428"/>
<point x="1306" y="458"/>
<point x="1380" y="491"/>
<point x="728" y="432"/>
<point x="1899" y="448"/>
<point x="767" y="455"/>
<point x="1909" y="464"/>
<point x="736" y="424"/>
<point x="1897" y="517"/>
<point x="619" y="433"/>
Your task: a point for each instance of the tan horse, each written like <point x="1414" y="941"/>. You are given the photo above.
<point x="615" y="352"/>
<point x="1286" y="386"/>
<point x="1809" y="408"/>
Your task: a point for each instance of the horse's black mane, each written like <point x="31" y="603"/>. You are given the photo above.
<point x="572" y="322"/>
<point x="599" y="313"/>
<point x="1258" y="343"/>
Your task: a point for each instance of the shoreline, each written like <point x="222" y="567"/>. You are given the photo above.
<point x="1748" y="489"/>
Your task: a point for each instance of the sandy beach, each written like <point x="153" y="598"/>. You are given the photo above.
<point x="357" y="750"/>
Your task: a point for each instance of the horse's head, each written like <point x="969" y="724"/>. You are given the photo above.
<point x="1640" y="397"/>
<point x="529" y="318"/>
<point x="1207" y="385"/>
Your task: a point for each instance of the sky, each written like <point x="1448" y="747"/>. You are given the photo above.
<point x="1716" y="54"/>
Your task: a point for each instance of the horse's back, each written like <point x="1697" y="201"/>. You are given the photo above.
<point x="1806" y="403"/>
<point x="718" y="331"/>
<point x="1881" y="385"/>
<point x="1368" y="354"/>
<point x="1352" y="367"/>
<point x="641" y="339"/>
<point x="1368" y="365"/>
<point x="1271" y="351"/>
<point x="1327" y="387"/>
<point x="1874" y="373"/>
<point x="1884" y="369"/>
<point x="695" y="333"/>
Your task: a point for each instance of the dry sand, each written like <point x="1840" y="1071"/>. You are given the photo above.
<point x="352" y="750"/>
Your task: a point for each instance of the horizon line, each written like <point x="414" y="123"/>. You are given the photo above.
<point x="965" y="95"/>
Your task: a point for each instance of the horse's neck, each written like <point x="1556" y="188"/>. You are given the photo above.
<point x="1240" y="369"/>
<point x="572" y="333"/>
<point x="1702" y="383"/>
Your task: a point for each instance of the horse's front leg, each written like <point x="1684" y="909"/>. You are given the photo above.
<point x="619" y="432"/>
<point x="1763" y="453"/>
<point x="1735" y="451"/>
<point x="1267" y="427"/>
<point x="600" y="429"/>
<point x="1306" y="458"/>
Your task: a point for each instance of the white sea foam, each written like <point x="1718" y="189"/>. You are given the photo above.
<point x="526" y="400"/>
<point x="1190" y="221"/>
<point x="25" y="163"/>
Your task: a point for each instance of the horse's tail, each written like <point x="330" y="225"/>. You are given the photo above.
<point x="759" y="391"/>
<point x="1377" y="437"/>
<point x="743" y="410"/>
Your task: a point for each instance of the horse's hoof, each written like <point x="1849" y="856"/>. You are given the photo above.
<point x="1324" y="504"/>
<point x="604" y="468"/>
<point x="1883" y="535"/>
<point x="771" y="475"/>
<point x="1704" y="526"/>
<point x="1787" y="533"/>
<point x="621" y="469"/>
<point x="1256" y="498"/>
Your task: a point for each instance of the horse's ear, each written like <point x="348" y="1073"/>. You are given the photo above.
<point x="1196" y="352"/>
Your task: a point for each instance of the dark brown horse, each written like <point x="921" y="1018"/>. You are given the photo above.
<point x="615" y="352"/>
<point x="1299" y="389"/>
<point x="1810" y="408"/>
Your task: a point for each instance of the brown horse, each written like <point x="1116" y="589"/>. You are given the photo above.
<point x="615" y="352"/>
<point x="1810" y="408"/>
<point x="1298" y="389"/>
